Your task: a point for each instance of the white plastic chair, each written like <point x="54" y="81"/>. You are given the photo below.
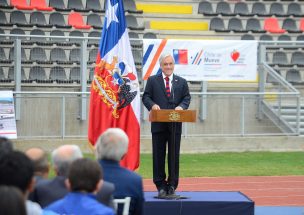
<point x="126" y="204"/>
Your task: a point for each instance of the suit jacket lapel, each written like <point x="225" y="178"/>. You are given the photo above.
<point x="162" y="84"/>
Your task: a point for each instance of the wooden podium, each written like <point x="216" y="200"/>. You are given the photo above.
<point x="170" y="115"/>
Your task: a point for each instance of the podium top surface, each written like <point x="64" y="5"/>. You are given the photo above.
<point x="170" y="115"/>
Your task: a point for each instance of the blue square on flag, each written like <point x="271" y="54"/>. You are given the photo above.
<point x="180" y="56"/>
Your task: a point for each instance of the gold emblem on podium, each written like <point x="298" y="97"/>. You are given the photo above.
<point x="174" y="116"/>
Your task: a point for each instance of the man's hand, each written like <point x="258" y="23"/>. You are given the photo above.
<point x="179" y="108"/>
<point x="155" y="107"/>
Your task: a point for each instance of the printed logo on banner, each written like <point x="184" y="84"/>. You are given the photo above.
<point x="235" y="56"/>
<point x="180" y="56"/>
<point x="211" y="58"/>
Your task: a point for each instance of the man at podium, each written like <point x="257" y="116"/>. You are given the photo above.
<point x="166" y="91"/>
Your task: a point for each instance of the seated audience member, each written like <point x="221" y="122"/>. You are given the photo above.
<point x="50" y="191"/>
<point x="11" y="201"/>
<point x="111" y="146"/>
<point x="5" y="146"/>
<point x="84" y="180"/>
<point x="16" y="169"/>
<point x="40" y="160"/>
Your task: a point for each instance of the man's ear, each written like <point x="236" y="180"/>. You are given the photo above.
<point x="31" y="185"/>
<point x="67" y="184"/>
<point x="99" y="185"/>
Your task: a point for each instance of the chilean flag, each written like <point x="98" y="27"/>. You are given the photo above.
<point x="115" y="95"/>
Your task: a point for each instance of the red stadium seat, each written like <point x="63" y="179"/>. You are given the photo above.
<point x="302" y="24"/>
<point x="76" y="20"/>
<point x="40" y="5"/>
<point x="21" y="5"/>
<point x="272" y="25"/>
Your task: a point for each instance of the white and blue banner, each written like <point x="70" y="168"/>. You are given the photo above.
<point x="7" y="115"/>
<point x="204" y="60"/>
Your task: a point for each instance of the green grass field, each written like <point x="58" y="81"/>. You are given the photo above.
<point x="231" y="164"/>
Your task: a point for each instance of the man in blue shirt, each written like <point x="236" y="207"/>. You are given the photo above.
<point x="84" y="180"/>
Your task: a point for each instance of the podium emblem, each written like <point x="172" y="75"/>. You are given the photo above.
<point x="174" y="116"/>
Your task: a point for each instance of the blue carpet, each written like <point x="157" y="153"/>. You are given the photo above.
<point x="280" y="210"/>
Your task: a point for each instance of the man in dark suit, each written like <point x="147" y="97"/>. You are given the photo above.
<point x="111" y="146"/>
<point x="52" y="190"/>
<point x="166" y="91"/>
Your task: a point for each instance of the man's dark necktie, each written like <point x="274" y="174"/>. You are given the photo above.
<point x="167" y="87"/>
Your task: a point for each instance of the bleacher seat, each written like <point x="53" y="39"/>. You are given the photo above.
<point x="254" y="26"/>
<point x="290" y="25"/>
<point x="91" y="75"/>
<point x="302" y="24"/>
<point x="2" y="76"/>
<point x="76" y="33"/>
<point x="149" y="35"/>
<point x="301" y="39"/>
<point x="224" y="9"/>
<point x="271" y="79"/>
<point x="133" y="24"/>
<point x="293" y="76"/>
<point x="272" y="25"/>
<point x="259" y="9"/>
<point x="40" y="5"/>
<point x="280" y="58"/>
<point x="21" y="5"/>
<point x="58" y="21"/>
<point x="59" y="37"/>
<point x="294" y="9"/>
<point x="276" y="9"/>
<point x="284" y="37"/>
<point x="235" y="25"/>
<point x="247" y="37"/>
<point x="134" y="40"/>
<point x="75" y="55"/>
<point x="23" y="55"/>
<point x="17" y="32"/>
<point x="4" y="5"/>
<point x="38" y="74"/>
<point x="77" y="5"/>
<point x="297" y="58"/>
<point x="94" y="20"/>
<point x="18" y="18"/>
<point x="38" y="55"/>
<point x="76" y="20"/>
<point x="3" y="20"/>
<point x="11" y="74"/>
<point x="94" y="42"/>
<point x="205" y="8"/>
<point x="130" y="7"/>
<point x="58" y="5"/>
<point x="3" y="58"/>
<point x="58" y="75"/>
<point x="93" y="55"/>
<point x="58" y="55"/>
<point x="95" y="6"/>
<point x="37" y="18"/>
<point x="241" y="9"/>
<point x="137" y="57"/>
<point x="75" y="75"/>
<point x="217" y="25"/>
<point x="40" y="39"/>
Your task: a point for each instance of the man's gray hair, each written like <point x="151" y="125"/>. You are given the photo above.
<point x="112" y="144"/>
<point x="63" y="156"/>
<point x="163" y="56"/>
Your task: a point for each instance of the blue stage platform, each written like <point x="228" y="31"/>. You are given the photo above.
<point x="198" y="203"/>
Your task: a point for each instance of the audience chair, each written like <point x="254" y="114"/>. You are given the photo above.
<point x="284" y="37"/>
<point x="241" y="9"/>
<point x="276" y="9"/>
<point x="58" y="5"/>
<point x="11" y="74"/>
<point x="224" y="9"/>
<point x="58" y="55"/>
<point x="94" y="20"/>
<point x="247" y="37"/>
<point x="94" y="42"/>
<point x="149" y="35"/>
<point x="290" y="26"/>
<point x="40" y="39"/>
<point x="40" y="5"/>
<point x="301" y="39"/>
<point x="130" y="7"/>
<point x="75" y="55"/>
<point x="4" y="5"/>
<point x="205" y="8"/>
<point x="95" y="6"/>
<point x="17" y="31"/>
<point x="76" y="20"/>
<point x="254" y="26"/>
<point x="38" y="55"/>
<point x="93" y="56"/>
<point x="217" y="25"/>
<point x="294" y="9"/>
<point x="134" y="40"/>
<point x="59" y="37"/>
<point x="235" y="25"/>
<point x="132" y="23"/>
<point x="76" y="41"/>
<point x="266" y="37"/>
<point x="57" y="74"/>
<point x="297" y="58"/>
<point x="75" y="74"/>
<point x="271" y="79"/>
<point x="280" y="58"/>
<point x="2" y="76"/>
<point x="23" y="55"/>
<point x="3" y="20"/>
<point x="302" y="24"/>
<point x="293" y="76"/>
<point x="77" y="5"/>
<point x="58" y="21"/>
<point x="3" y="58"/>
<point x="21" y="5"/>
<point x="137" y="55"/>
<point x="126" y="204"/>
<point x="272" y="25"/>
<point x="37" y="18"/>
<point x="18" y="18"/>
<point x="259" y="9"/>
<point x="38" y="74"/>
